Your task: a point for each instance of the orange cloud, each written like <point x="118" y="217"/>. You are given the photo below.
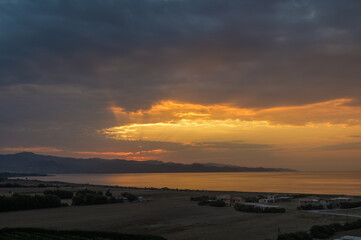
<point x="185" y="123"/>
<point x="30" y="149"/>
<point x="335" y="112"/>
<point x="138" y="155"/>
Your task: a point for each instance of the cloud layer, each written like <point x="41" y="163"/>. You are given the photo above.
<point x="67" y="67"/>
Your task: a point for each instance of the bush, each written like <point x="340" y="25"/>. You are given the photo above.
<point x="336" y="227"/>
<point x="206" y="200"/>
<point x="352" y="225"/>
<point x="310" y="207"/>
<point x="322" y="232"/>
<point x="24" y="202"/>
<point x="131" y="197"/>
<point x="12" y="185"/>
<point x="203" y="202"/>
<point x="301" y="195"/>
<point x="217" y="203"/>
<point x="47" y="234"/>
<point x="108" y="193"/>
<point x="85" y="191"/>
<point x="62" y="194"/>
<point x="295" y="236"/>
<point x="255" y="209"/>
<point x="201" y="198"/>
<point x="87" y="197"/>
<point x="347" y="205"/>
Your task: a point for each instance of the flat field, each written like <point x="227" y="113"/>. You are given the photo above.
<point x="170" y="214"/>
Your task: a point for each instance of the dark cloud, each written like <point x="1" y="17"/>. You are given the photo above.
<point x="355" y="136"/>
<point x="342" y="146"/>
<point x="230" y="145"/>
<point x="64" y="62"/>
<point x="252" y="53"/>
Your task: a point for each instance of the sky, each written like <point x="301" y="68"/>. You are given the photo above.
<point x="250" y="83"/>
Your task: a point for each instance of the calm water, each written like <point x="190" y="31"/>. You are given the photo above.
<point x="290" y="182"/>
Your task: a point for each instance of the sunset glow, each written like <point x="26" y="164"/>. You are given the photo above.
<point x="272" y="84"/>
<point x="185" y="123"/>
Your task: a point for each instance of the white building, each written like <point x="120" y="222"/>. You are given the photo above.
<point x="262" y="206"/>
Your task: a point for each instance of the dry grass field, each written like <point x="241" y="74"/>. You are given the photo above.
<point x="169" y="214"/>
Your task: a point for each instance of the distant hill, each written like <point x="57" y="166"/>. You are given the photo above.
<point x="31" y="162"/>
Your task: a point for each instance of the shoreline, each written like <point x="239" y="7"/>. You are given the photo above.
<point x="164" y="212"/>
<point x="177" y="189"/>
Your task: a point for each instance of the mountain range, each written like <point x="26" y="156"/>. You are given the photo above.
<point x="30" y="162"/>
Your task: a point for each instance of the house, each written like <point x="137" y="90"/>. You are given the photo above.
<point x="304" y="202"/>
<point x="340" y="200"/>
<point x="236" y="200"/>
<point x="225" y="198"/>
<point x="229" y="200"/>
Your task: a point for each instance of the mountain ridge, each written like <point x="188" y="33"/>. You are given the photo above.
<point x="31" y="162"/>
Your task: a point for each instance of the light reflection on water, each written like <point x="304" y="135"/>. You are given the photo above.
<point x="348" y="183"/>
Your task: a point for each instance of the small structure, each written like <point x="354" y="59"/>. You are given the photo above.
<point x="304" y="202"/>
<point x="262" y="206"/>
<point x="325" y="202"/>
<point x="349" y="238"/>
<point x="229" y="200"/>
<point x="284" y="199"/>
<point x="339" y="200"/>
<point x="266" y="200"/>
<point x="274" y="198"/>
<point x="236" y="200"/>
<point x="120" y="197"/>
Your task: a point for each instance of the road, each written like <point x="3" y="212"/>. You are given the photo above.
<point x="334" y="212"/>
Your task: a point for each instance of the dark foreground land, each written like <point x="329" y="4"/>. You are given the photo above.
<point x="46" y="234"/>
<point x="169" y="214"/>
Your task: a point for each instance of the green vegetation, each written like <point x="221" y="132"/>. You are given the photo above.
<point x="321" y="231"/>
<point x="16" y="185"/>
<point x="310" y="207"/>
<point x="12" y="185"/>
<point x="295" y="236"/>
<point x="24" y="202"/>
<point x="216" y="203"/>
<point x="6" y="175"/>
<point x="62" y="194"/>
<point x="255" y="209"/>
<point x="88" y="197"/>
<point x="108" y="193"/>
<point x="253" y="199"/>
<point x="300" y="195"/>
<point x="325" y="231"/>
<point x="201" y="198"/>
<point x="347" y="205"/>
<point x="211" y="201"/>
<point x="46" y="234"/>
<point x="131" y="197"/>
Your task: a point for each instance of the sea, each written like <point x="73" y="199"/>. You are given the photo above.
<point x="335" y="183"/>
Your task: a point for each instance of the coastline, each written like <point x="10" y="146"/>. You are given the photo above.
<point x="165" y="212"/>
<point x="328" y="183"/>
